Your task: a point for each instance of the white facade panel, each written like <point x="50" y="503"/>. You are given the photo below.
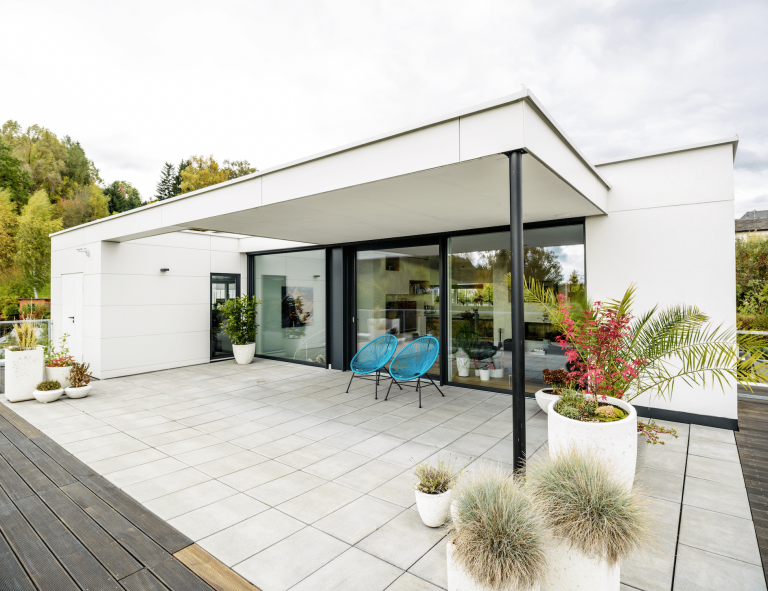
<point x="128" y="258"/>
<point x="141" y="353"/>
<point x="144" y="290"/>
<point x="492" y="132"/>
<point x="154" y="319"/>
<point x="227" y="199"/>
<point x="225" y="262"/>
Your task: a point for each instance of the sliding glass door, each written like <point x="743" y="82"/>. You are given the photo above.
<point x="398" y="293"/>
<point x="223" y="287"/>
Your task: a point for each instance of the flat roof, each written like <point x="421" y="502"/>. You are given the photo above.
<point x="729" y="140"/>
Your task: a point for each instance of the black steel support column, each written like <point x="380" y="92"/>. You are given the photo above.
<point x="517" y="285"/>
<point x="444" y="319"/>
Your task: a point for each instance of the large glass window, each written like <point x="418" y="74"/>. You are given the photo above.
<point x="480" y="303"/>
<point x="398" y="292"/>
<point x="223" y="287"/>
<point x="291" y="287"/>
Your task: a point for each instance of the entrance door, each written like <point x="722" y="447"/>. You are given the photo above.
<point x="398" y="293"/>
<point x="223" y="287"/>
<point x="72" y="313"/>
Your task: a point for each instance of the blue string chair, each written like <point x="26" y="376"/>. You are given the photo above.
<point x="413" y="363"/>
<point x="373" y="358"/>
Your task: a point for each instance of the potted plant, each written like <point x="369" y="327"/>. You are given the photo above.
<point x="462" y="363"/>
<point x="23" y="363"/>
<point x="240" y="326"/>
<point x="48" y="391"/>
<point x="59" y="363"/>
<point x="433" y="491"/>
<point x="498" y="539"/>
<point x="80" y="381"/>
<point x="496" y="373"/>
<point x="596" y="521"/>
<point x="557" y="380"/>
<point x="485" y="373"/>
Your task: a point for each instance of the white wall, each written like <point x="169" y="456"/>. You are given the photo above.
<point x="669" y="230"/>
<point x="138" y="319"/>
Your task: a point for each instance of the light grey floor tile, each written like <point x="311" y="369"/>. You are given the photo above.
<point x="665" y="518"/>
<point x="386" y="542"/>
<point x="186" y="445"/>
<point x="465" y="422"/>
<point x="242" y="540"/>
<point x="348" y="438"/>
<point x="306" y="456"/>
<point x="698" y="570"/>
<point x="110" y="451"/>
<point x="217" y="516"/>
<point x="171" y="436"/>
<point x="369" y="476"/>
<point x="498" y="429"/>
<point x="337" y="465"/>
<point x="662" y="485"/>
<point x="376" y="445"/>
<point x="409" y="454"/>
<point x="440" y="436"/>
<point x="660" y="458"/>
<point x="231" y="463"/>
<point x="319" y="502"/>
<point x="282" y="446"/>
<point x="399" y="490"/>
<point x="720" y="534"/>
<point x="699" y="432"/>
<point x="715" y="496"/>
<point x="142" y="472"/>
<point x="256" y="475"/>
<point x="79" y="435"/>
<point x="189" y="499"/>
<point x="285" y="488"/>
<point x="166" y="484"/>
<point x="259" y="438"/>
<point x="277" y="567"/>
<point x="716" y="470"/>
<point x="323" y="430"/>
<point x="209" y="454"/>
<point x="472" y="444"/>
<point x="432" y="566"/>
<point x="358" y="519"/>
<point x="713" y="449"/>
<point x="352" y="571"/>
<point x="650" y="569"/>
<point x="232" y="433"/>
<point x="382" y="423"/>
<point x="410" y="429"/>
<point x="136" y="458"/>
<point x="408" y="582"/>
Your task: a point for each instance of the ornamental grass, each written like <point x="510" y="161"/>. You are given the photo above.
<point x="584" y="504"/>
<point x="498" y="531"/>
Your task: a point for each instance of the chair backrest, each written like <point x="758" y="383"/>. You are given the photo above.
<point x="374" y="355"/>
<point x="416" y="359"/>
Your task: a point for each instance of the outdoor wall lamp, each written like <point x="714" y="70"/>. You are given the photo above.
<point x="85" y="250"/>
<point x="164" y="270"/>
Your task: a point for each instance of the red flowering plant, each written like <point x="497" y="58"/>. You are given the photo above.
<point x="60" y="357"/>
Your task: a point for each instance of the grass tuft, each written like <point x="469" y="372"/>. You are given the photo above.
<point x="437" y="479"/>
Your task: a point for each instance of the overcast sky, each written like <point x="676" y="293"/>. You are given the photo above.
<point x="142" y="83"/>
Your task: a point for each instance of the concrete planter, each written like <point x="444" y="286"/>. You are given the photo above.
<point x="23" y="372"/>
<point x="80" y="392"/>
<point x="459" y="579"/>
<point x="497" y="373"/>
<point x="544" y="397"/>
<point x="616" y="442"/>
<point x="462" y="364"/>
<point x="569" y="569"/>
<point x="244" y="353"/>
<point x="60" y="374"/>
<point x="433" y="509"/>
<point x="48" y="396"/>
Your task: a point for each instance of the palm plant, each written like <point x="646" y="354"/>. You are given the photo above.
<point x="662" y="346"/>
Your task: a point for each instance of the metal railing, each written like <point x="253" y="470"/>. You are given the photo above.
<point x="8" y="335"/>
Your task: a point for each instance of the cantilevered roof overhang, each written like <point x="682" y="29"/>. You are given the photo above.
<point x="443" y="175"/>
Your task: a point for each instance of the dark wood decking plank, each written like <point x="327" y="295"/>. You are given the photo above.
<point x="212" y="571"/>
<point x="178" y="577"/>
<point x="38" y="561"/>
<point x="65" y="459"/>
<point x="12" y="574"/>
<point x="161" y="532"/>
<point x="116" y="559"/>
<point x="143" y="580"/>
<point x="87" y="572"/>
<point x="24" y="467"/>
<point x="11" y="432"/>
<point x="13" y="484"/>
<point x="23" y="426"/>
<point x="50" y="467"/>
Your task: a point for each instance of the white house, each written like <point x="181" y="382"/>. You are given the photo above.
<point x="413" y="232"/>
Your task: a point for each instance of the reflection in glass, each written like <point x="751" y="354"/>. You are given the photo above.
<point x="291" y="287"/>
<point x="398" y="292"/>
<point x="480" y="303"/>
<point x="223" y="288"/>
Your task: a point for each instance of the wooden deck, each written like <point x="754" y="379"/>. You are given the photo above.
<point x="64" y="528"/>
<point x="752" y="441"/>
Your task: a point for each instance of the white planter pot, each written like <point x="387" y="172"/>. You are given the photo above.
<point x="616" y="441"/>
<point x="462" y="364"/>
<point x="433" y="509"/>
<point x="497" y="373"/>
<point x="49" y="396"/>
<point x="23" y="372"/>
<point x="569" y="569"/>
<point x="459" y="579"/>
<point x="244" y="353"/>
<point x="60" y="374"/>
<point x="544" y="397"/>
<point x="485" y="375"/>
<point x="80" y="392"/>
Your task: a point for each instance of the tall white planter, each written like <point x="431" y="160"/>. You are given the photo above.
<point x="23" y="372"/>
<point x="569" y="569"/>
<point x="616" y="441"/>
<point x="244" y="353"/>
<point x="459" y="579"/>
<point x="60" y="374"/>
<point x="462" y="363"/>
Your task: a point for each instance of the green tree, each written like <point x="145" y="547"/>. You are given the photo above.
<point x="13" y="176"/>
<point x="78" y="167"/>
<point x="87" y="204"/>
<point x="184" y="164"/>
<point x="44" y="157"/>
<point x="9" y="223"/>
<point x="542" y="264"/>
<point x="165" y="187"/>
<point x="201" y="173"/>
<point x="33" y="244"/>
<point x="238" y="168"/>
<point x="122" y="196"/>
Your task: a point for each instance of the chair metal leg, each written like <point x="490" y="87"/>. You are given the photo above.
<point x="350" y="382"/>
<point x="435" y="385"/>
<point x="388" y="389"/>
<point x="390" y="375"/>
<point x="418" y="387"/>
<point x="376" y="395"/>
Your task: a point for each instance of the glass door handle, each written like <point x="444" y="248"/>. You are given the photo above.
<point x="72" y="318"/>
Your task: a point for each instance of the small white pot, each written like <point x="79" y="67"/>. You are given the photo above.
<point x="485" y="375"/>
<point x="459" y="579"/>
<point x="244" y="353"/>
<point x="462" y="364"/>
<point x="569" y="569"/>
<point x="616" y="441"/>
<point x="544" y="397"/>
<point x="80" y="392"/>
<point x="433" y="509"/>
<point x="497" y="373"/>
<point x="58" y="374"/>
<point x="24" y="370"/>
<point x="49" y="396"/>
<point x="477" y="373"/>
